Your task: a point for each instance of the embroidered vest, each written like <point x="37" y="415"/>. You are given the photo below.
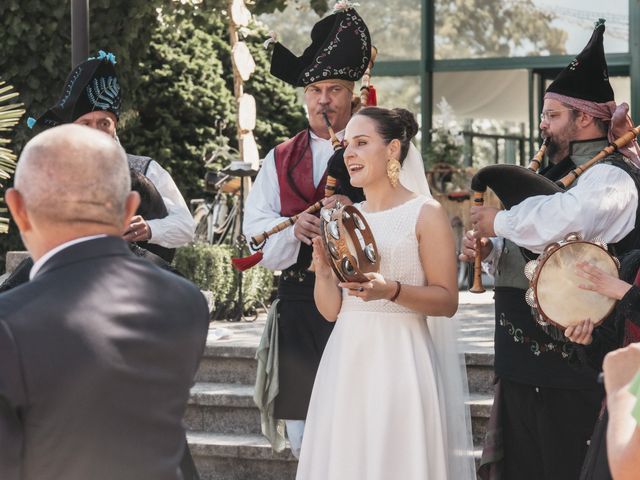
<point x="294" y="166"/>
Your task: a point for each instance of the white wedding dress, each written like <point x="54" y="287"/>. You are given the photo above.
<point x="378" y="407"/>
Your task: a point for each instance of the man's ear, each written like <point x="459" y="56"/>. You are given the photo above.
<point x="131" y="205"/>
<point x="15" y="201"/>
<point x="585" y="119"/>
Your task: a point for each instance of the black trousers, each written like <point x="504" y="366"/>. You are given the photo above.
<point x="302" y="336"/>
<point x="187" y="465"/>
<point x="546" y="430"/>
<point x="596" y="464"/>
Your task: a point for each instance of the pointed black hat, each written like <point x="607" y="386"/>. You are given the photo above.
<point x="340" y="49"/>
<point x="92" y="85"/>
<point x="587" y="76"/>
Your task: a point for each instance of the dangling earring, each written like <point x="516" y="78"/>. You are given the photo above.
<point x="393" y="171"/>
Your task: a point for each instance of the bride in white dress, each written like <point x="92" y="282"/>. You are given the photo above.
<point x="387" y="402"/>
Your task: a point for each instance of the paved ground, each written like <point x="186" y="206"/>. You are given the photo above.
<point x="475" y="313"/>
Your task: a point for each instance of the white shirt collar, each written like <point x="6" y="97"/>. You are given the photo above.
<point x="43" y="259"/>
<point x="339" y="134"/>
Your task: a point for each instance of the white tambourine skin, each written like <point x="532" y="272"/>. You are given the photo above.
<point x="556" y="293"/>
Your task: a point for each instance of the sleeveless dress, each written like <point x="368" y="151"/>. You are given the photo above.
<point x="374" y="412"/>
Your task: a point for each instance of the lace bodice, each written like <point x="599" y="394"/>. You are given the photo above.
<point x="395" y="233"/>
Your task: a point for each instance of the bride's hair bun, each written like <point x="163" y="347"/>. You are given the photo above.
<point x="408" y="121"/>
<point x="396" y="124"/>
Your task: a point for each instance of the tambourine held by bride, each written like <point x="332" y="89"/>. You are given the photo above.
<point x="349" y="242"/>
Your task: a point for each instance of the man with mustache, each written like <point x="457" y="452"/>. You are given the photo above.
<point x="293" y="177"/>
<point x="545" y="408"/>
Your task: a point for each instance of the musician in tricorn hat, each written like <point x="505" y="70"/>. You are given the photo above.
<point x="92" y="96"/>
<point x="293" y="177"/>
<point x="546" y="409"/>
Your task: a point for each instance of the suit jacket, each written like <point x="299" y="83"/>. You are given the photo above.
<point x="97" y="356"/>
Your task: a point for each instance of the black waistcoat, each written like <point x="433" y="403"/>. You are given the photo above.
<point x="151" y="205"/>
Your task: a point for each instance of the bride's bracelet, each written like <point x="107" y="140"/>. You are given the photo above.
<point x="397" y="292"/>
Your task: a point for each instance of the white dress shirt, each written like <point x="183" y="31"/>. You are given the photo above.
<point x="178" y="227"/>
<point x="603" y="204"/>
<point x="262" y="210"/>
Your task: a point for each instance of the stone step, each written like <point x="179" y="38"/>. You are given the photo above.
<point x="223" y="408"/>
<point x="228" y="364"/>
<point x="480" y="411"/>
<point x="237" y="364"/>
<point x="239" y="457"/>
<point x="479" y="372"/>
<point x="229" y="409"/>
<point x="245" y="457"/>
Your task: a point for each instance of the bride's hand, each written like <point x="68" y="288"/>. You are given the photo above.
<point x="377" y="288"/>
<point x="320" y="263"/>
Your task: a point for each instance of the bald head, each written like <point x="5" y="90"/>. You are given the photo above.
<point x="73" y="174"/>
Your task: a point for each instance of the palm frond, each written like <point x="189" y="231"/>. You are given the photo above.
<point x="10" y="114"/>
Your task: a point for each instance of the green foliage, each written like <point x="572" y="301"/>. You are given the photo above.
<point x="320" y="7"/>
<point x="209" y="267"/>
<point x="445" y="147"/>
<point x="463" y="28"/>
<point x="189" y="107"/>
<point x="35" y="54"/>
<point x="447" y="143"/>
<point x="36" y="48"/>
<point x="176" y="76"/>
<point x="187" y="103"/>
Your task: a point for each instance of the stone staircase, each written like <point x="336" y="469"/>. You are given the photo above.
<point x="224" y="424"/>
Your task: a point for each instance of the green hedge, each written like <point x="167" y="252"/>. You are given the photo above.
<point x="209" y="267"/>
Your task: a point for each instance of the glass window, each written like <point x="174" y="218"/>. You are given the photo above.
<point x="400" y="92"/>
<point x="394" y="26"/>
<point x="490" y="109"/>
<point x="498" y="28"/>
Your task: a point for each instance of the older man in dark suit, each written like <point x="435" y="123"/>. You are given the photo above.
<point x="98" y="351"/>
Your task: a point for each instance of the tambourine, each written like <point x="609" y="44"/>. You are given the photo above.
<point x="554" y="291"/>
<point x="349" y="242"/>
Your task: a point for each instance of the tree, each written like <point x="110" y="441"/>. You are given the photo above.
<point x="463" y="28"/>
<point x="188" y="103"/>
<point x="35" y="58"/>
<point x="495" y="28"/>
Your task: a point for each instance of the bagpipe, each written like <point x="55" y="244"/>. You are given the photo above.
<point x="337" y="182"/>
<point x="554" y="291"/>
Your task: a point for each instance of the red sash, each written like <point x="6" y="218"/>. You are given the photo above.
<point x="294" y="165"/>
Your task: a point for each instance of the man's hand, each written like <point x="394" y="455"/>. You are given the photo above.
<point x="468" y="253"/>
<point x="306" y="228"/>
<point x="620" y="366"/>
<point x="330" y="202"/>
<point x="482" y="219"/>
<point x="580" y="333"/>
<point x="138" y="230"/>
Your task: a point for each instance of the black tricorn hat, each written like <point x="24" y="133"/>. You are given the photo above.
<point x="340" y="49"/>
<point x="587" y="76"/>
<point x="92" y="85"/>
